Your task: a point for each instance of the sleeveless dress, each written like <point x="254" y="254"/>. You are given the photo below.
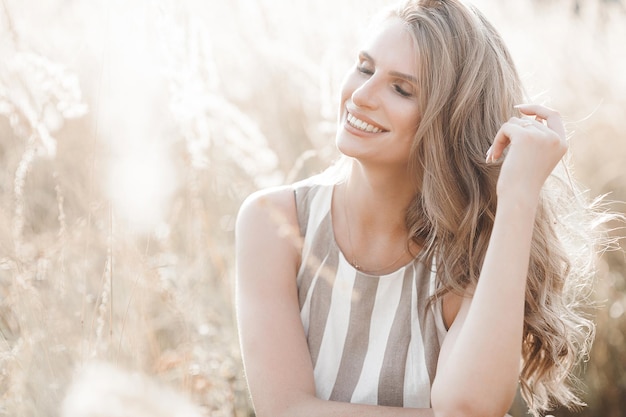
<point x="372" y="339"/>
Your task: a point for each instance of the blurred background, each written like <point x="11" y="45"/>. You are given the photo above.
<point x="131" y="131"/>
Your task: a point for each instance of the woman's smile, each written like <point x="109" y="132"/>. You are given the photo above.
<point x="366" y="126"/>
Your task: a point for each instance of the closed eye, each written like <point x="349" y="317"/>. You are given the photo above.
<point x="402" y="91"/>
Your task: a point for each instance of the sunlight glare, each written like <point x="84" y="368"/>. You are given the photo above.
<point x="140" y="185"/>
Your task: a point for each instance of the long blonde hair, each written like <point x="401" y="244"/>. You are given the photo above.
<point x="468" y="86"/>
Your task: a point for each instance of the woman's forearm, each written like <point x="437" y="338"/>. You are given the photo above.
<point x="315" y="407"/>
<point x="481" y="369"/>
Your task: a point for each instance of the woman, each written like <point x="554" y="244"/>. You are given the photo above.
<point x="416" y="283"/>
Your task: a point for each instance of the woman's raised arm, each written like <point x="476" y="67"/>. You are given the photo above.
<point x="479" y="363"/>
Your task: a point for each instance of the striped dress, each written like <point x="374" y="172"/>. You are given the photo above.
<point x="372" y="339"/>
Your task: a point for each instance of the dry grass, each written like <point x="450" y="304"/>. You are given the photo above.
<point x="131" y="132"/>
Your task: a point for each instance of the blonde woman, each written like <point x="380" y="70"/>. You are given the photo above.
<point x="429" y="278"/>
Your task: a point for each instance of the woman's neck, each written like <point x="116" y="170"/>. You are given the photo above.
<point x="378" y="198"/>
<point x="369" y="214"/>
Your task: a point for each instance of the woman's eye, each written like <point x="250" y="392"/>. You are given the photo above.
<point x="402" y="91"/>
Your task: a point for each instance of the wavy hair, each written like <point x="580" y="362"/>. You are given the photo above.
<point x="468" y="86"/>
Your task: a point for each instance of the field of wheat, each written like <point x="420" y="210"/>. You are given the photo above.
<point x="130" y="132"/>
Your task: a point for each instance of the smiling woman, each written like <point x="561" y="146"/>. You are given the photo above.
<point x="384" y="286"/>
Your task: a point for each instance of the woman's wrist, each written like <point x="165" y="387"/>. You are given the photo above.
<point x="518" y="202"/>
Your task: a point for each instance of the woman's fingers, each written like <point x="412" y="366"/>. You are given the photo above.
<point x="534" y="143"/>
<point x="513" y="126"/>
<point x="502" y="140"/>
<point x="540" y="119"/>
<point x="551" y="116"/>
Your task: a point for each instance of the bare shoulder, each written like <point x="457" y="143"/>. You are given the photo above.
<point x="271" y="207"/>
<point x="277" y="200"/>
<point x="267" y="227"/>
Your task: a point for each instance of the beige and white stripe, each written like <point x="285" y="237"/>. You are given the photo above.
<point x="372" y="339"/>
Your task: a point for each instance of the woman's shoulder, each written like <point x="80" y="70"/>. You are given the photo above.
<point x="280" y="212"/>
<point x="283" y="198"/>
<point x="268" y="223"/>
<point x="266" y="227"/>
<point x="268" y="203"/>
<point x="277" y="194"/>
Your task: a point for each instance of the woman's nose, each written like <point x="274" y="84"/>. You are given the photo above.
<point x="365" y="95"/>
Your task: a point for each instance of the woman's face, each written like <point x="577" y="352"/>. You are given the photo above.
<point x="379" y="114"/>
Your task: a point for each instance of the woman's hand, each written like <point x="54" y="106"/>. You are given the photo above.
<point x="536" y="144"/>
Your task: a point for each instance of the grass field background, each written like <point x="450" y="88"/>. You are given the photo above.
<point x="130" y="132"/>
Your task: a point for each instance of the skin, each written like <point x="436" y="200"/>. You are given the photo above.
<point x="377" y="91"/>
<point x="477" y="372"/>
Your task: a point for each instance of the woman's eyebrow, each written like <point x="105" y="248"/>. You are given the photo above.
<point x="407" y="77"/>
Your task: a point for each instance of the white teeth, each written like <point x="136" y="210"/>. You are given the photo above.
<point x="361" y="125"/>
